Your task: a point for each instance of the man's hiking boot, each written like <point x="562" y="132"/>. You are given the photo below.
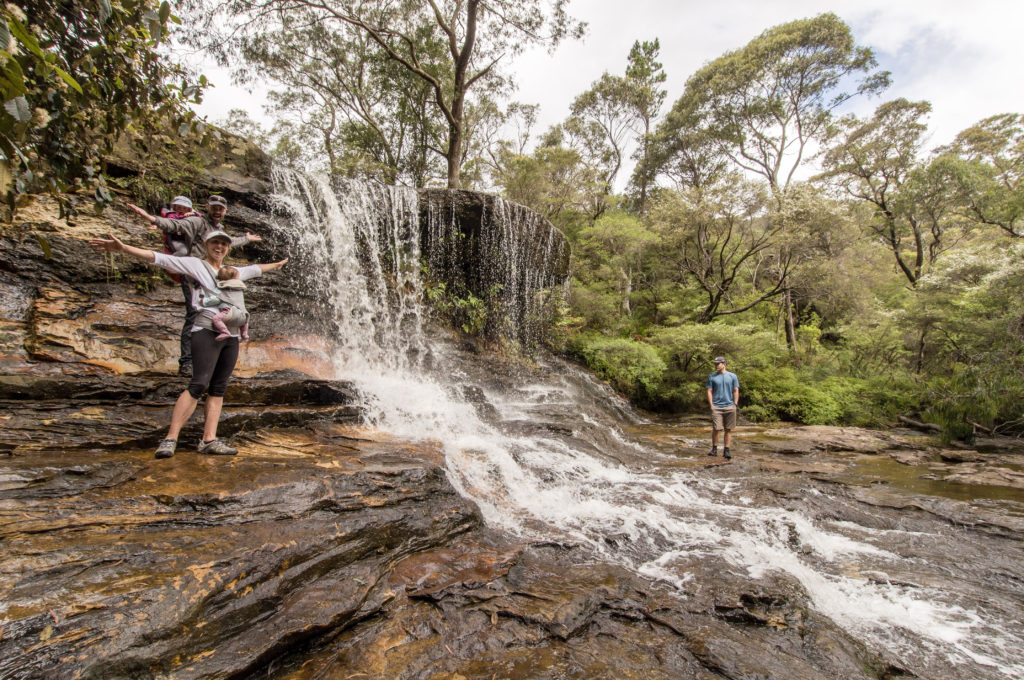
<point x="215" y="448"/>
<point x="185" y="370"/>
<point x="165" y="449"/>
<point x="713" y="451"/>
<point x="726" y="453"/>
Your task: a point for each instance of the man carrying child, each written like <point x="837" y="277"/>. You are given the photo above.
<point x="184" y="234"/>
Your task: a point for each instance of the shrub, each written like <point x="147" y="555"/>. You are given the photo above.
<point x="690" y="348"/>
<point x="781" y="395"/>
<point x="633" y="368"/>
<point x="975" y="395"/>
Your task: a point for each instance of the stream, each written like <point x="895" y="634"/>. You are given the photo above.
<point x="922" y="571"/>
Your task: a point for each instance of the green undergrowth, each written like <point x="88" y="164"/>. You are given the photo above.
<point x="667" y="372"/>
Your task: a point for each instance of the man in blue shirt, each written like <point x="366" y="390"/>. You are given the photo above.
<point x="723" y="398"/>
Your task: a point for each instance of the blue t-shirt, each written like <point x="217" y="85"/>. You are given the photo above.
<point x="721" y="386"/>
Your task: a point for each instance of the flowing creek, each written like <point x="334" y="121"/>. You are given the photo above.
<point x="913" y="567"/>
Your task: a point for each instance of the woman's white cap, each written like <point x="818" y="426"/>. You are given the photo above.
<point x="215" y="233"/>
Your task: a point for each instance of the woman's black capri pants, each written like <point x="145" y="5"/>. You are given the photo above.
<point x="212" y="363"/>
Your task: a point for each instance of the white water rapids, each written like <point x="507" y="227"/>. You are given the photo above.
<point x="552" y="463"/>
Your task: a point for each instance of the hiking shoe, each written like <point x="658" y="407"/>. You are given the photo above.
<point x="215" y="448"/>
<point x="713" y="451"/>
<point x="727" y="454"/>
<point x="165" y="449"/>
<point x="185" y="370"/>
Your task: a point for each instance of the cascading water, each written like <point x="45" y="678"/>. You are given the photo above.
<point x="550" y="461"/>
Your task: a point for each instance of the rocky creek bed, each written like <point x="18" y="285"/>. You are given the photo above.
<point x="327" y="549"/>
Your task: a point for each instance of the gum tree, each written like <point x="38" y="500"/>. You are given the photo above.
<point x="762" y="105"/>
<point x="878" y="161"/>
<point x="987" y="166"/>
<point x="617" y="113"/>
<point x="451" y="47"/>
<point x="721" y="239"/>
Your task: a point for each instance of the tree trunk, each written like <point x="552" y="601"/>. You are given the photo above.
<point x="455" y="155"/>
<point x="787" y="303"/>
<point x="920" y="352"/>
<point x="644" y="164"/>
<point x="627" y="291"/>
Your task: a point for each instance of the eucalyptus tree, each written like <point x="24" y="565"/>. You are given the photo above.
<point x="553" y="180"/>
<point x="987" y="167"/>
<point x="645" y="75"/>
<point x="367" y="114"/>
<point x="601" y="123"/>
<point x="765" y="105"/>
<point x="761" y="106"/>
<point x="617" y="242"/>
<point x="879" y="161"/>
<point x="617" y="112"/>
<point x="450" y="47"/>
<point x="721" y="238"/>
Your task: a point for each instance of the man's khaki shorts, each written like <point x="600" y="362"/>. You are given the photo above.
<point x="723" y="418"/>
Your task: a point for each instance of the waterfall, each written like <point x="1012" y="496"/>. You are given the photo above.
<point x="551" y="462"/>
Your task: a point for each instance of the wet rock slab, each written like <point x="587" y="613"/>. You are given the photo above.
<point x="824" y="451"/>
<point x="329" y="550"/>
<point x="485" y="609"/>
<point x="118" y="565"/>
<point x="822" y="438"/>
<point x="92" y="412"/>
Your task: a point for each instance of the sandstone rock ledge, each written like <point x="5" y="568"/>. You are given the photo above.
<point x="331" y="551"/>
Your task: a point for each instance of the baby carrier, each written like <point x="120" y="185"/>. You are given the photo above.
<point x="230" y="293"/>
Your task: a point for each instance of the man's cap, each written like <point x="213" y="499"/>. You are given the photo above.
<point x="214" y="233"/>
<point x="216" y="200"/>
<point x="719" y="360"/>
<point x="182" y="201"/>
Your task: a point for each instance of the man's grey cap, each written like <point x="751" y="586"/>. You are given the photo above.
<point x="214" y="233"/>
<point x="719" y="360"/>
<point x="183" y="201"/>
<point x="216" y="200"/>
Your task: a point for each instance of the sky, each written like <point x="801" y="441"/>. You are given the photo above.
<point x="961" y="55"/>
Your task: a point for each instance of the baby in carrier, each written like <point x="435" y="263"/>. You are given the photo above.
<point x="227" y="308"/>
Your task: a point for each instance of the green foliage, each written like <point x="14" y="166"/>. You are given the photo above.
<point x="969" y="331"/>
<point x="987" y="171"/>
<point x="981" y="396"/>
<point x="781" y="395"/>
<point x="598" y="306"/>
<point x="690" y="348"/>
<point x="804" y="288"/>
<point x="553" y="180"/>
<point x="759" y="106"/>
<point x="466" y="311"/>
<point x="688" y="351"/>
<point x="75" y="76"/>
<point x="807" y="396"/>
<point x="403" y="75"/>
<point x="915" y="203"/>
<point x="714" y="234"/>
<point x="633" y="368"/>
